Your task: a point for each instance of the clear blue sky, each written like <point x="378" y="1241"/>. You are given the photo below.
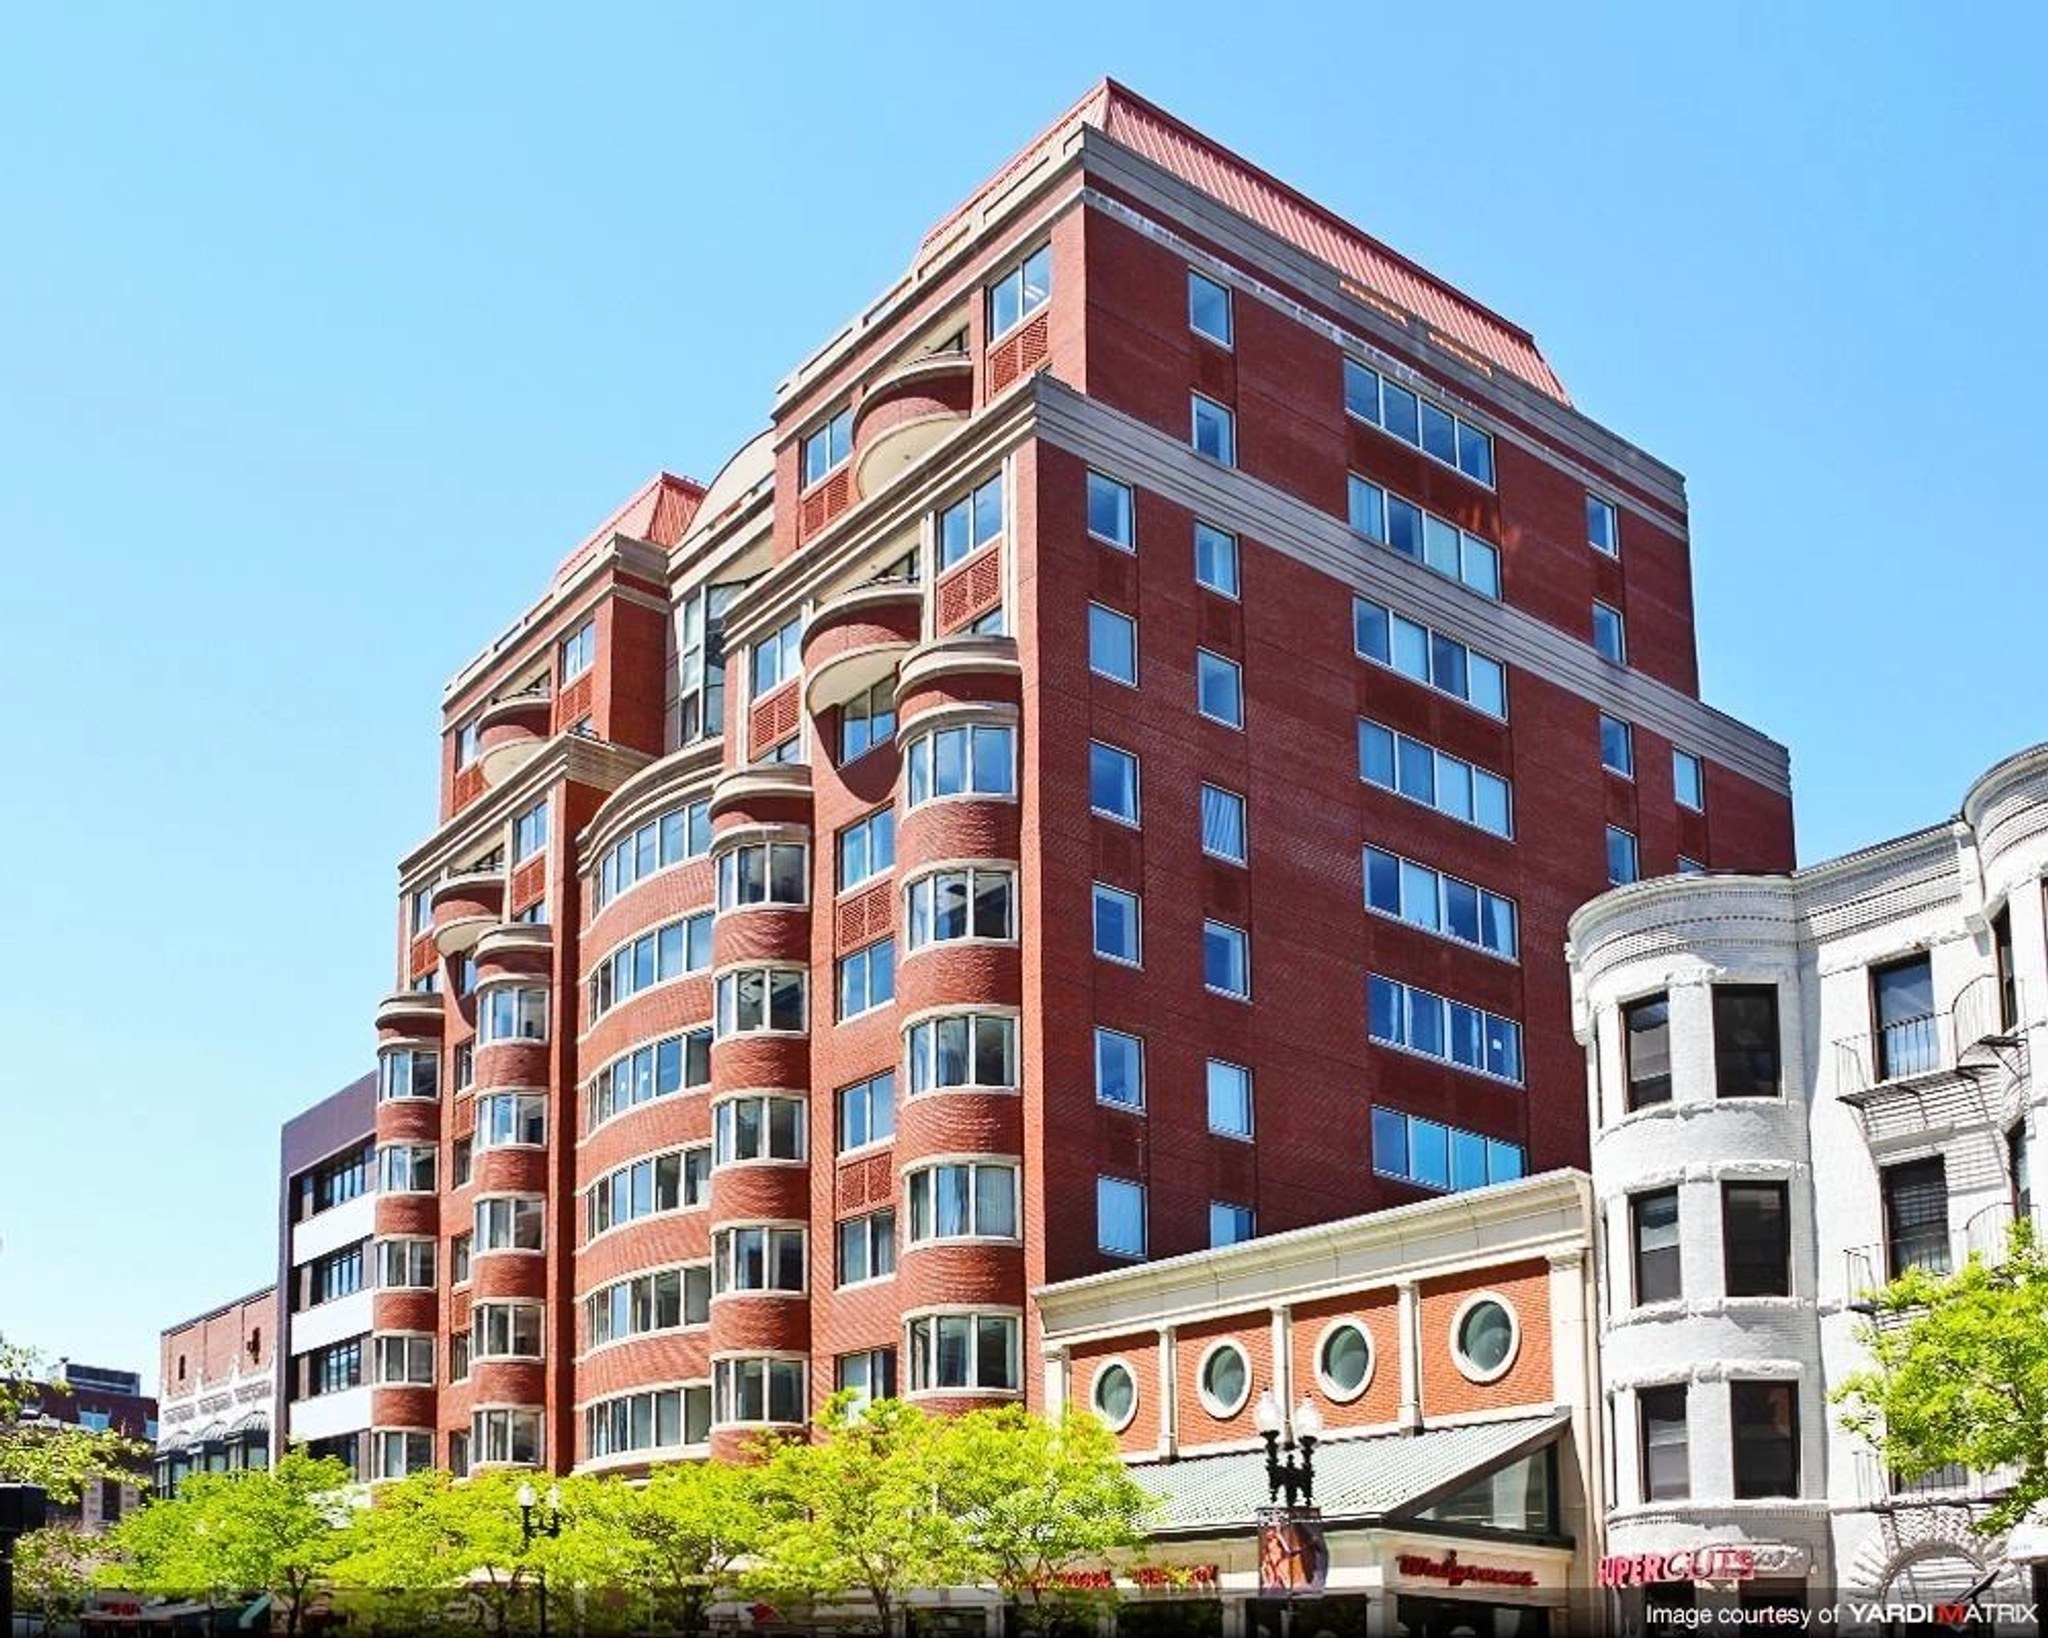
<point x="325" y="333"/>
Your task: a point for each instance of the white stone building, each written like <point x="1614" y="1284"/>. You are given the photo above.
<point x="1800" y="1085"/>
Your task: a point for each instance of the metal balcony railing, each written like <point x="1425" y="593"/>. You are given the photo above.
<point x="1964" y="1042"/>
<point x="1934" y="1250"/>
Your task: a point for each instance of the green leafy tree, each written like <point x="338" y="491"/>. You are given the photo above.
<point x="857" y="1514"/>
<point x="53" y="1572"/>
<point x="1959" y="1374"/>
<point x="61" y="1457"/>
<point x="1039" y="1500"/>
<point x="680" y="1536"/>
<point x="278" y="1531"/>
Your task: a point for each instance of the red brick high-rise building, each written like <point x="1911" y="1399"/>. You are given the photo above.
<point x="1104" y="774"/>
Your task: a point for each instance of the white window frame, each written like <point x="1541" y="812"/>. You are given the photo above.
<point x="1136" y="817"/>
<point x="1225" y="424"/>
<point x="1130" y="902"/>
<point x="1244" y="946"/>
<point x="1129" y="624"/>
<point x="1104" y="1183"/>
<point x="1196" y="283"/>
<point x="1133" y="1046"/>
<point x="1206" y="658"/>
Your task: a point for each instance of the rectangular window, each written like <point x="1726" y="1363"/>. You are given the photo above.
<point x="1214" y="431"/>
<point x="1228" y="1224"/>
<point x="1915" y="1216"/>
<point x="1434" y="1026"/>
<point x="1226" y="960"/>
<point x="1434" y="778"/>
<point x="867" y="1248"/>
<point x="1617" y="746"/>
<point x="1902" y="998"/>
<point x="1746" y="1040"/>
<point x="867" y="1376"/>
<point x="1120" y="1217"/>
<point x="963" y="761"/>
<point x="867" y="848"/>
<point x="1660" y="1413"/>
<point x="1431" y="1155"/>
<point x="962" y="1201"/>
<point x="826" y="448"/>
<point x="1119" y="1069"/>
<point x="867" y="720"/>
<point x="1112" y="645"/>
<point x="1756" y="1244"/>
<point x="1603" y="526"/>
<point x="757" y="999"/>
<point x="964" y="1351"/>
<point x="1689" y="780"/>
<point x="1427" y="656"/>
<point x="1117" y="927"/>
<point x="1397" y="411"/>
<point x="1111" y="515"/>
<point x="1653" y="1234"/>
<point x="867" y="1112"/>
<point x="1766" y="1420"/>
<point x="1623" y="866"/>
<point x="465" y="745"/>
<point x="963" y="1049"/>
<point x="777" y="658"/>
<point x="1610" y="634"/>
<point x="1208" y="308"/>
<point x="1223" y="825"/>
<point x="1646" y="1050"/>
<point x="579" y="651"/>
<point x="975" y="903"/>
<point x="1438" y="903"/>
<point x="867" y="979"/>
<point x="530" y="832"/>
<point x="1112" y="783"/>
<point x="1423" y="537"/>
<point x="1020" y="292"/>
<point x="1230" y="1099"/>
<point x="1219" y="689"/>
<point x="1216" y="559"/>
<point x="971" y="522"/>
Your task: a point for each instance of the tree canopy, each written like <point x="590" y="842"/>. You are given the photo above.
<point x="62" y="1457"/>
<point x="1959" y="1375"/>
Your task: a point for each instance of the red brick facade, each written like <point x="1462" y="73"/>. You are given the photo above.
<point x="1098" y="377"/>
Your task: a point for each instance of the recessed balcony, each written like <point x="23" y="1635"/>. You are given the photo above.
<point x="510" y="733"/>
<point x="855" y="640"/>
<point x="465" y="908"/>
<point x="906" y="414"/>
<point x="411" y="1012"/>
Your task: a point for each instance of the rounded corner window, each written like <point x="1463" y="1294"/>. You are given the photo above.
<point x="1114" y="1395"/>
<point x="1485" y="1337"/>
<point x="1224" y="1379"/>
<point x="1344" y="1360"/>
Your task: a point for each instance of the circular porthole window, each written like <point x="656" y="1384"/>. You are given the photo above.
<point x="1225" y="1377"/>
<point x="1344" y="1360"/>
<point x="1115" y="1395"/>
<point x="1484" y="1338"/>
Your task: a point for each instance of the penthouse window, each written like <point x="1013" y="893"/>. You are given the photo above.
<point x="1434" y="1026"/>
<point x="1436" y="779"/>
<point x="962" y="1200"/>
<point x="1020" y="292"/>
<point x="674" y="951"/>
<point x="964" y="1351"/>
<point x="757" y="1259"/>
<point x="963" y="761"/>
<point x="675" y="1181"/>
<point x="1439" y="903"/>
<point x="971" y="522"/>
<point x="1427" y="656"/>
<point x="763" y="873"/>
<point x="1431" y="1155"/>
<point x="680" y="1063"/>
<point x="1646" y="1050"/>
<point x="579" y="651"/>
<point x="971" y="1050"/>
<point x="681" y="833"/>
<point x="1423" y="537"/>
<point x="1385" y="404"/>
<point x="825" y="449"/>
<point x="509" y="1014"/>
<point x="948" y="905"/>
<point x="757" y="1127"/>
<point x="867" y="848"/>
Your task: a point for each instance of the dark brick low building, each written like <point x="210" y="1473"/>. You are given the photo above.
<point x="1104" y="775"/>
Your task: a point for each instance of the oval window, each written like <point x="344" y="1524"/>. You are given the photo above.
<point x="1484" y="1338"/>
<point x="1345" y="1360"/>
<point x="1116" y="1395"/>
<point x="1226" y="1380"/>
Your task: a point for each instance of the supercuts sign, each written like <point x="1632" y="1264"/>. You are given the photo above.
<point x="1687" y="1564"/>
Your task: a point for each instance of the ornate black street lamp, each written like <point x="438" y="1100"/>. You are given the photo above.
<point x="1298" y="1479"/>
<point x="538" y="1519"/>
